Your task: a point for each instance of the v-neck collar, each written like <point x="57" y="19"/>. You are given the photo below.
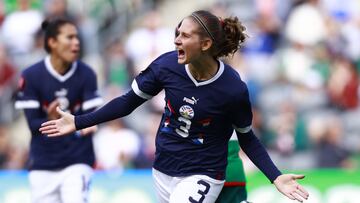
<point x="200" y="83"/>
<point x="55" y="74"/>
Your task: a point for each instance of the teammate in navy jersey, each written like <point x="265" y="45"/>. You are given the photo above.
<point x="205" y="100"/>
<point x="60" y="167"/>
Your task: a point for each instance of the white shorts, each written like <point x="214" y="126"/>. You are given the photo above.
<point x="193" y="189"/>
<point x="69" y="185"/>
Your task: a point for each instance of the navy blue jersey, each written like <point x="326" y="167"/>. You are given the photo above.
<point x="199" y="116"/>
<point x="77" y="93"/>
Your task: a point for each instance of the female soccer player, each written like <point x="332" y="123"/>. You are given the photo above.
<point x="205" y="100"/>
<point x="60" y="167"/>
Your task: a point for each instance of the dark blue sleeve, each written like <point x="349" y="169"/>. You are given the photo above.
<point x="34" y="119"/>
<point x="28" y="100"/>
<point x="116" y="108"/>
<point x="252" y="147"/>
<point x="240" y="111"/>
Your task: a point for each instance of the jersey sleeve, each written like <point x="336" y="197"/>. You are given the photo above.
<point x="241" y="113"/>
<point x="91" y="98"/>
<point x="148" y="84"/>
<point x="27" y="97"/>
<point x="28" y="100"/>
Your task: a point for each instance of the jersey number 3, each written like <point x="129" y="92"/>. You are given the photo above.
<point x="201" y="192"/>
<point x="183" y="130"/>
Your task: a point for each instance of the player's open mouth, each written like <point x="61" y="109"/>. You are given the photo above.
<point x="181" y="53"/>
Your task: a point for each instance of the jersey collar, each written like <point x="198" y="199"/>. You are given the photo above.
<point x="215" y="77"/>
<point x="55" y="74"/>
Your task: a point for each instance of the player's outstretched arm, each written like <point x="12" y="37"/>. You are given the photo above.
<point x="287" y="185"/>
<point x="62" y="126"/>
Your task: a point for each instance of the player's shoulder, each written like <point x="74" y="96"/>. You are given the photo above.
<point x="234" y="86"/>
<point x="167" y="59"/>
<point x="34" y="69"/>
<point x="234" y="78"/>
<point x="164" y="64"/>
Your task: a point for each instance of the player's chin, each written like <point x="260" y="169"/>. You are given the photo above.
<point x="71" y="57"/>
<point x="182" y="60"/>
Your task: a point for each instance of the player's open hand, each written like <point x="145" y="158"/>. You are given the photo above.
<point x="62" y="126"/>
<point x="288" y="185"/>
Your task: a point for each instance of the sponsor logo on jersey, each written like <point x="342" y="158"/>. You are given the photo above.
<point x="186" y="111"/>
<point x="191" y="101"/>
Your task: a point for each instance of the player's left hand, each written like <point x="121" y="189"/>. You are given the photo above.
<point x="288" y="186"/>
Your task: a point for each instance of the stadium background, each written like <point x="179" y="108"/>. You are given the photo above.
<point x="301" y="63"/>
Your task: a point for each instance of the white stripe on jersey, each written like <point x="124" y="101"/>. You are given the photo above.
<point x="92" y="103"/>
<point x="216" y="76"/>
<point x="52" y="71"/>
<point x="242" y="130"/>
<point x="137" y="91"/>
<point x="27" y="104"/>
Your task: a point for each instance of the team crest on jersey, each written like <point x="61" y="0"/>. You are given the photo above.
<point x="61" y="97"/>
<point x="186" y="111"/>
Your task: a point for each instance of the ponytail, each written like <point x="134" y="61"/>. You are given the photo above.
<point x="227" y="34"/>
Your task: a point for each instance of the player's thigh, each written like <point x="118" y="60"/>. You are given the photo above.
<point x="44" y="186"/>
<point x="75" y="184"/>
<point x="196" y="189"/>
<point x="163" y="185"/>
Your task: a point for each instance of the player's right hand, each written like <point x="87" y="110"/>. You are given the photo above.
<point x="62" y="126"/>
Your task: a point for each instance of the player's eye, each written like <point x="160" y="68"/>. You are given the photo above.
<point x="177" y="32"/>
<point x="185" y="35"/>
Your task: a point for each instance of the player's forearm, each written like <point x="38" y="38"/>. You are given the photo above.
<point x="251" y="145"/>
<point x="116" y="108"/>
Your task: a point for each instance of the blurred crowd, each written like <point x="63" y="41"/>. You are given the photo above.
<point x="301" y="63"/>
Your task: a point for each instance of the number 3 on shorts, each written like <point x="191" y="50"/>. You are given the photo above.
<point x="201" y="192"/>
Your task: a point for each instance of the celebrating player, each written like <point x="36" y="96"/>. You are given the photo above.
<point x="205" y="100"/>
<point x="60" y="167"/>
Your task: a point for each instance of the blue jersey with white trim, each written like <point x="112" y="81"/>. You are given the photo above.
<point x="199" y="116"/>
<point x="77" y="93"/>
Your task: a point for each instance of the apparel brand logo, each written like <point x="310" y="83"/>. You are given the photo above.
<point x="191" y="101"/>
<point x="61" y="93"/>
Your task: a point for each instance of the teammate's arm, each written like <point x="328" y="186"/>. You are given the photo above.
<point x="35" y="118"/>
<point x="116" y="108"/>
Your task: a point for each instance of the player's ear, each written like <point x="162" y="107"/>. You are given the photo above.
<point x="206" y="44"/>
<point x="51" y="42"/>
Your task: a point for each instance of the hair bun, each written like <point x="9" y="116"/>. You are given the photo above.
<point x="45" y="25"/>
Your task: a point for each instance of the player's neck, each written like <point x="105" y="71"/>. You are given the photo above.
<point x="204" y="69"/>
<point x="59" y="65"/>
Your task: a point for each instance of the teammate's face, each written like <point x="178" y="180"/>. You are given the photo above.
<point x="188" y="42"/>
<point x="66" y="45"/>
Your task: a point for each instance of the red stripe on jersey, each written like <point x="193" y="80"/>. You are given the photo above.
<point x="170" y="107"/>
<point x="234" y="184"/>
